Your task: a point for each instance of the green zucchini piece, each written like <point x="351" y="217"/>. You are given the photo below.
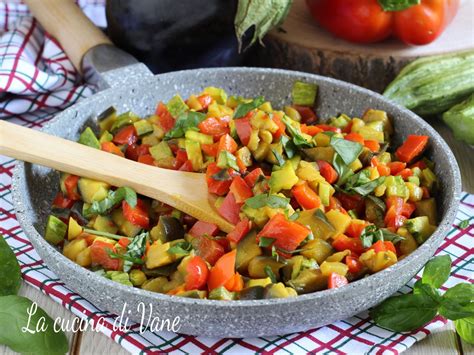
<point x="304" y="94"/>
<point x="420" y="228"/>
<point x="247" y="249"/>
<point x="122" y="120"/>
<point x="222" y="294"/>
<point x="107" y="118"/>
<point x="198" y="137"/>
<point x="105" y="224"/>
<point x="106" y="137"/>
<point x="427" y="208"/>
<point x="55" y="230"/>
<point x="176" y="106"/>
<point x="193" y="149"/>
<point x="88" y="138"/>
<point x="143" y="127"/>
<point x="161" y="151"/>
<point x="92" y="190"/>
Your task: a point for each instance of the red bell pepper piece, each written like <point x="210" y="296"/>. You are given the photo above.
<point x="226" y="142"/>
<point x="70" y="183"/>
<point x="241" y="230"/>
<point x="164" y="117"/>
<point x="187" y="166"/>
<point x="201" y="228"/>
<point x="327" y="171"/>
<point x="244" y="129"/>
<point x="240" y="189"/>
<point x="137" y="215"/>
<point x="342" y="242"/>
<point x="276" y="117"/>
<point x="382" y="246"/>
<point x="335" y="280"/>
<point x="287" y="234"/>
<point x="210" y="149"/>
<point x="146" y="159"/>
<point x="205" y="100"/>
<point x="222" y="271"/>
<point x="372" y="145"/>
<point x="396" y="167"/>
<point x="126" y="135"/>
<point x="405" y="173"/>
<point x="62" y="202"/>
<point x="134" y="151"/>
<point x="181" y="158"/>
<point x="207" y="248"/>
<point x="197" y="274"/>
<point x="311" y="130"/>
<point x="253" y="176"/>
<point x="354" y="265"/>
<point x="328" y="128"/>
<point x="407" y="209"/>
<point x="305" y="196"/>
<point x="235" y="283"/>
<point x="100" y="255"/>
<point x="214" y="127"/>
<point x="110" y="147"/>
<point x="230" y="209"/>
<point x="355" y="137"/>
<point x="394" y="218"/>
<point x="218" y="187"/>
<point x="419" y="164"/>
<point x="411" y="148"/>
<point x="355" y="228"/>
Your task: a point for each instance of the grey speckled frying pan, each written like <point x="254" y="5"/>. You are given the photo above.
<point x="133" y="87"/>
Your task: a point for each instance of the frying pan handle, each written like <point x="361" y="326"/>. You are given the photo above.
<point x="65" y="21"/>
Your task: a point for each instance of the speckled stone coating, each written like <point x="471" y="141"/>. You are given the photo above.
<point x="34" y="188"/>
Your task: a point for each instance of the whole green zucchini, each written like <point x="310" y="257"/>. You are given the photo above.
<point x="432" y="85"/>
<point x="461" y="120"/>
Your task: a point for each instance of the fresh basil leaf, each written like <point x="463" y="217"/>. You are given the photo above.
<point x="404" y="313"/>
<point x="181" y="248"/>
<point x="368" y="236"/>
<point x="391" y="237"/>
<point x="113" y="199"/>
<point x="368" y="187"/>
<point x="294" y="216"/>
<point x="222" y="175"/>
<point x="397" y="5"/>
<point x="465" y="329"/>
<point x="243" y="109"/>
<point x="427" y="290"/>
<point x="265" y="242"/>
<point x="464" y="224"/>
<point x="304" y="94"/>
<point x="19" y="318"/>
<point x="130" y="259"/>
<point x="104" y="234"/>
<point x="343" y="171"/>
<point x="458" y="302"/>
<point x="185" y="121"/>
<point x="10" y="274"/>
<point x="270" y="274"/>
<point x="135" y="250"/>
<point x="278" y="157"/>
<point x="347" y="150"/>
<point x="288" y="146"/>
<point x="263" y="200"/>
<point x="378" y="202"/>
<point x="358" y="179"/>
<point x="437" y="271"/>
<point x="298" y="140"/>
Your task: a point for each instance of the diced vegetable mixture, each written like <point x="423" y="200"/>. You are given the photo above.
<point x="315" y="205"/>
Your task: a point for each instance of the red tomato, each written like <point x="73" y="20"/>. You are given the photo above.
<point x="396" y="167"/>
<point x="287" y="234"/>
<point x="137" y="215"/>
<point x="355" y="228"/>
<point x="335" y="280"/>
<point x="146" y="159"/>
<point x="240" y="189"/>
<point x="223" y="270"/>
<point x="210" y="149"/>
<point x="205" y="100"/>
<point x="207" y="248"/>
<point x="134" y="151"/>
<point x="354" y="265"/>
<point x="196" y="274"/>
<point x="201" y="228"/>
<point x="244" y="129"/>
<point x="226" y="142"/>
<point x="240" y="231"/>
<point x="230" y="209"/>
<point x="307" y="114"/>
<point x="100" y="255"/>
<point x="126" y="135"/>
<point x="351" y="202"/>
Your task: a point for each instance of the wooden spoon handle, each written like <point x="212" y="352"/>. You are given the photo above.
<point x="65" y="21"/>
<point x="184" y="191"/>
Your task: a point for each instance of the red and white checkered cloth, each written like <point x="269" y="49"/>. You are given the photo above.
<point x="37" y="80"/>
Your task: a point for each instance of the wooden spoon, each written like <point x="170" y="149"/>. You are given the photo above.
<point x="182" y="190"/>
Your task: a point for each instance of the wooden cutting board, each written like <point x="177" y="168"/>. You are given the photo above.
<point x="304" y="46"/>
